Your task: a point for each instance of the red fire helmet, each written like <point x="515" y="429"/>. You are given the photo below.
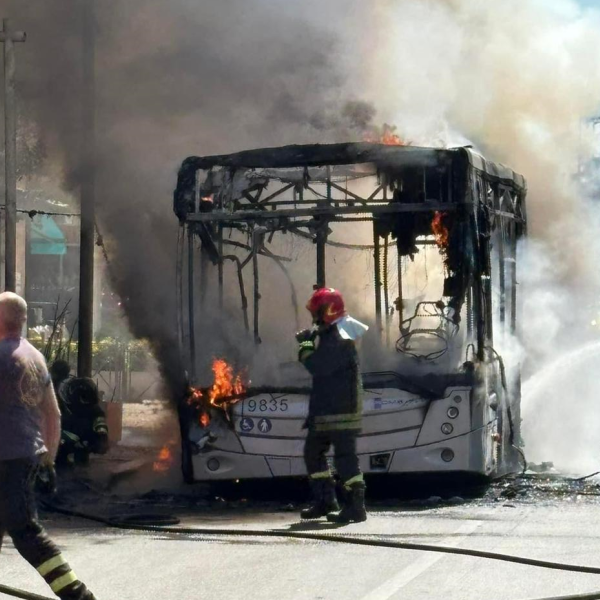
<point x="326" y="305"/>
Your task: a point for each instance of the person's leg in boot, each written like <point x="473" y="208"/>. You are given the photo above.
<point x="322" y="486"/>
<point x="346" y="464"/>
<point x="19" y="514"/>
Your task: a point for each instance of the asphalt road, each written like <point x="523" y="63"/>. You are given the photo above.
<point x="140" y="566"/>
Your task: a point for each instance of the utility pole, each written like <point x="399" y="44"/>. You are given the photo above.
<point x="8" y="37"/>
<point x="87" y="231"/>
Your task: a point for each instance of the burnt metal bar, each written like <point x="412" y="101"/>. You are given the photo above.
<point x="513" y="276"/>
<point x="256" y="280"/>
<point x="469" y="313"/>
<point x="252" y="200"/>
<point x="320" y="197"/>
<point x="240" y="272"/>
<point x="220" y="264"/>
<point x="386" y="290"/>
<point x="204" y="267"/>
<point x="377" y="190"/>
<point x="377" y="270"/>
<point x="501" y="272"/>
<point x="400" y="300"/>
<point x="277" y="193"/>
<point x="349" y="193"/>
<point x="324" y="211"/>
<point x="321" y="241"/>
<point x="349" y="202"/>
<point x="192" y="323"/>
<point x="319" y="155"/>
<point x="179" y="286"/>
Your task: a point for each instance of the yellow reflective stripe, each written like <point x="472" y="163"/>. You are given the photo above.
<point x="337" y="418"/>
<point x="356" y="479"/>
<point x="51" y="564"/>
<point x="100" y="424"/>
<point x="321" y="475"/>
<point x="344" y="425"/>
<point x="62" y="582"/>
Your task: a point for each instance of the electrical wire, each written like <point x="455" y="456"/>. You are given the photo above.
<point x="34" y="212"/>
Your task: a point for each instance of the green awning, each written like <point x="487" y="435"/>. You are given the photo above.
<point x="46" y="236"/>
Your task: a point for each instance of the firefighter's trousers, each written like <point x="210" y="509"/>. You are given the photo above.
<point x="345" y="459"/>
<point x="18" y="518"/>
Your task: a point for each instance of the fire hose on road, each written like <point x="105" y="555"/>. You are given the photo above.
<point x="129" y="524"/>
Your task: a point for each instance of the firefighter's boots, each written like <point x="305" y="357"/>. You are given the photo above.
<point x="353" y="510"/>
<point x="324" y="499"/>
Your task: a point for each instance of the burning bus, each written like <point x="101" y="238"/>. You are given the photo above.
<point x="440" y="230"/>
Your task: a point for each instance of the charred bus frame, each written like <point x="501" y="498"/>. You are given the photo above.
<point x="483" y="204"/>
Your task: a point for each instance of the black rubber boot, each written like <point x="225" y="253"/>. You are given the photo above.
<point x="77" y="591"/>
<point x="353" y="510"/>
<point x="324" y="499"/>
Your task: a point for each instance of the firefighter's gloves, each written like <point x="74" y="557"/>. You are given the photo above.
<point x="305" y="350"/>
<point x="306" y="335"/>
<point x="46" y="476"/>
<point x="306" y="338"/>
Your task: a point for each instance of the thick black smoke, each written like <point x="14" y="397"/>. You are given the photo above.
<point x="173" y="79"/>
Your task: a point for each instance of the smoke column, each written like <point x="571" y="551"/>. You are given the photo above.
<point x="517" y="80"/>
<point x="173" y="79"/>
<point x="514" y="78"/>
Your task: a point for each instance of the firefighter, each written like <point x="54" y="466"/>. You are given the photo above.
<point x="29" y="439"/>
<point x="329" y="353"/>
<point x="84" y="427"/>
<point x="60" y="371"/>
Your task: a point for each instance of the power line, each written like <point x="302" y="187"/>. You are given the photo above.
<point x="34" y="212"/>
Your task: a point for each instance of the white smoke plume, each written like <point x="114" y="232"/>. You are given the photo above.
<point x="518" y="79"/>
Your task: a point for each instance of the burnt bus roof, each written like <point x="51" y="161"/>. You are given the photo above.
<point x="315" y="155"/>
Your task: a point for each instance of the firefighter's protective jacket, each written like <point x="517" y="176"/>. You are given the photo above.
<point x="336" y="398"/>
<point x="84" y="427"/>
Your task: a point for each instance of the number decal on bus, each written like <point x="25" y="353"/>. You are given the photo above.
<point x="264" y="405"/>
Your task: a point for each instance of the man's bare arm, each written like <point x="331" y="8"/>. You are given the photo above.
<point x="50" y="420"/>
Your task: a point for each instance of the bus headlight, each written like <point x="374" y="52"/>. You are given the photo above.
<point x="213" y="464"/>
<point x="453" y="412"/>
<point x="447" y="428"/>
<point x="447" y="455"/>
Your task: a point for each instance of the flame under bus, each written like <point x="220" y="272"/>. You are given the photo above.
<point x="441" y="228"/>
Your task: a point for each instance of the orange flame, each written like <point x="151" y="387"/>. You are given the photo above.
<point x="226" y="386"/>
<point x="440" y="231"/>
<point x="164" y="460"/>
<point x="385" y="135"/>
<point x="204" y="419"/>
